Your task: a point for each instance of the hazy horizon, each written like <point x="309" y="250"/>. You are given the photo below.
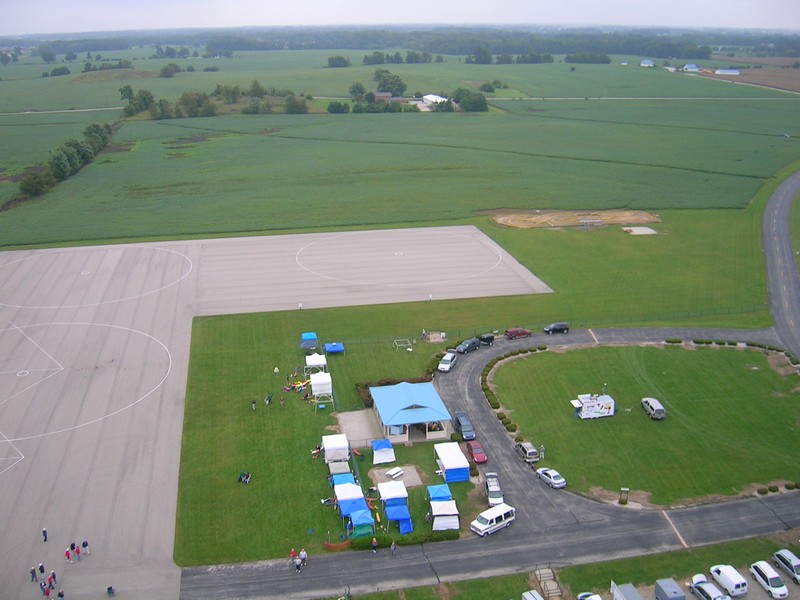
<point x="48" y="17"/>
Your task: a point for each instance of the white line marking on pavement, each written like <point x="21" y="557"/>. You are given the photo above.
<point x="675" y="529"/>
<point x="593" y="337"/>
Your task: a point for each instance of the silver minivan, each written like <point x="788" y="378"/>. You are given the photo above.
<point x="654" y="408"/>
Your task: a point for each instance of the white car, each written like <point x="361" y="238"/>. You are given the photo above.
<point x="768" y="578"/>
<point x="705" y="590"/>
<point x="447" y="362"/>
<point x="551" y="477"/>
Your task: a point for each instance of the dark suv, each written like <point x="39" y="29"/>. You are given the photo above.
<point x="557" y="328"/>
<point x="468" y="345"/>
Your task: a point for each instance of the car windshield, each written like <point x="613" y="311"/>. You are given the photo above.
<point x="775" y="582"/>
<point x="482" y="520"/>
<point x="495" y="493"/>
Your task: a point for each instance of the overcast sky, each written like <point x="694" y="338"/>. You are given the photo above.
<point x="64" y="16"/>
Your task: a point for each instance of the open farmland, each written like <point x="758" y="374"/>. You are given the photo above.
<point x="224" y="175"/>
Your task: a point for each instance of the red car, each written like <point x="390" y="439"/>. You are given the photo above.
<point x="517" y="332"/>
<point x="476" y="453"/>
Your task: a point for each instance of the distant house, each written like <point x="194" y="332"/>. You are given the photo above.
<point x="726" y="72"/>
<point x="647" y="63"/>
<point x="383" y="97"/>
<point x="691" y="68"/>
<point x="433" y="99"/>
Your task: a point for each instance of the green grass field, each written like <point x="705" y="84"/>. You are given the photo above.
<point x="726" y="406"/>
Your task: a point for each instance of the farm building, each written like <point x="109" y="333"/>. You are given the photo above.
<point x="647" y="63"/>
<point x="407" y="408"/>
<point x="433" y="99"/>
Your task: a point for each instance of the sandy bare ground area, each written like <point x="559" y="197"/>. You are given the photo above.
<point x="574" y="218"/>
<point x="94" y="353"/>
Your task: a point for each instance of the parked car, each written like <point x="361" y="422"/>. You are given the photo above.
<point x="551" y="477"/>
<point x="447" y="362"/>
<point x="730" y="579"/>
<point x="463" y="426"/>
<point x="475" y="451"/>
<point x="787" y="562"/>
<point x="516" y="332"/>
<point x="706" y="590"/>
<point x="527" y="452"/>
<point x="468" y="345"/>
<point x="493" y="519"/>
<point x="493" y="491"/>
<point x="487" y="339"/>
<point x="559" y="327"/>
<point x="654" y="408"/>
<point x="768" y="578"/>
<point x="588" y="596"/>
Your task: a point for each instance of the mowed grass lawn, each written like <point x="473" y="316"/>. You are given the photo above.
<point x="220" y="520"/>
<point x="732" y="421"/>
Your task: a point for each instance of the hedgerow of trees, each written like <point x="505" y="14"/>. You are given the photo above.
<point x="66" y="160"/>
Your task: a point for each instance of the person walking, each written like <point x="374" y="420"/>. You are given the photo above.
<point x="46" y="593"/>
<point x="61" y="594"/>
<point x="34" y="577"/>
<point x="44" y="534"/>
<point x="374" y="545"/>
<point x="78" y="553"/>
<point x="268" y="399"/>
<point x="53" y="575"/>
<point x="303" y="556"/>
<point x="50" y="583"/>
<point x="297" y="564"/>
<point x="41" y="568"/>
<point x="67" y="555"/>
<point x="253" y="404"/>
<point x="42" y="586"/>
<point x="393" y="548"/>
<point x="85" y="546"/>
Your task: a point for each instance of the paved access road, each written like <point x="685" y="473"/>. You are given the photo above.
<point x="552" y="526"/>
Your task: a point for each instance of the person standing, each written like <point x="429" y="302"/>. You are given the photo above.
<point x="253" y="404"/>
<point x="268" y="399"/>
<point x="61" y="594"/>
<point x="78" y="553"/>
<point x="293" y="554"/>
<point x="41" y="568"/>
<point x="67" y="555"/>
<point x="85" y="546"/>
<point x="374" y="545"/>
<point x="34" y="577"/>
<point x="393" y="548"/>
<point x="50" y="583"/>
<point x="53" y="575"/>
<point x="43" y="586"/>
<point x="303" y="556"/>
<point x="44" y="534"/>
<point x="297" y="564"/>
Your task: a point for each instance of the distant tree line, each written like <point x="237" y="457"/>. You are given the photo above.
<point x="588" y="58"/>
<point x="65" y="160"/>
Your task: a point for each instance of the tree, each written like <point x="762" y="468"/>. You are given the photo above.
<point x="337" y="62"/>
<point x="256" y="90"/>
<point x="376" y="76"/>
<point x="197" y="104"/>
<point x="473" y="102"/>
<point x="296" y="105"/>
<point x="83" y="149"/>
<point x="357" y="91"/>
<point x="48" y="54"/>
<point x="5" y="58"/>
<point x="169" y="70"/>
<point x="96" y="136"/>
<point x="58" y="165"/>
<point x="70" y="56"/>
<point x="376" y="58"/>
<point x="162" y="109"/>
<point x="34" y="184"/>
<point x="338" y="108"/>
<point x="482" y="56"/>
<point x="144" y="100"/>
<point x="391" y="83"/>
<point x="58" y="71"/>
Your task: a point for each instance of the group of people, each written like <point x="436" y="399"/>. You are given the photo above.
<point x="244" y="477"/>
<point x="48" y="582"/>
<point x="298" y="559"/>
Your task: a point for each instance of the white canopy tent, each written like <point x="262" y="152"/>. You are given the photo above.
<point x="315" y="363"/>
<point x="392" y="490"/>
<point x="321" y="386"/>
<point x="452" y="462"/>
<point x="445" y="515"/>
<point x="336" y="447"/>
<point x="347" y="491"/>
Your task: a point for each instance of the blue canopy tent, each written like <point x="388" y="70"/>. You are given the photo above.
<point x="402" y="516"/>
<point x="348" y="507"/>
<point x="452" y="462"/>
<point x="361" y="524"/>
<point x="334" y="348"/>
<point x="382" y="452"/>
<point x="439" y="493"/>
<point x="308" y="340"/>
<point x="340" y="478"/>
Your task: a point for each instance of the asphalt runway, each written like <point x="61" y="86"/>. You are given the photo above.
<point x="94" y="350"/>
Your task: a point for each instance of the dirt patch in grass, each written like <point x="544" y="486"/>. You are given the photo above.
<point x="776" y="78"/>
<point x="20" y="176"/>
<point x="572" y="218"/>
<point x="123" y="147"/>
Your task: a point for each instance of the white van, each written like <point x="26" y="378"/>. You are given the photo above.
<point x="730" y="579"/>
<point x="493" y="519"/>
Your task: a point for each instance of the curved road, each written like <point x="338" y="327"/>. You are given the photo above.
<point x="552" y="526"/>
